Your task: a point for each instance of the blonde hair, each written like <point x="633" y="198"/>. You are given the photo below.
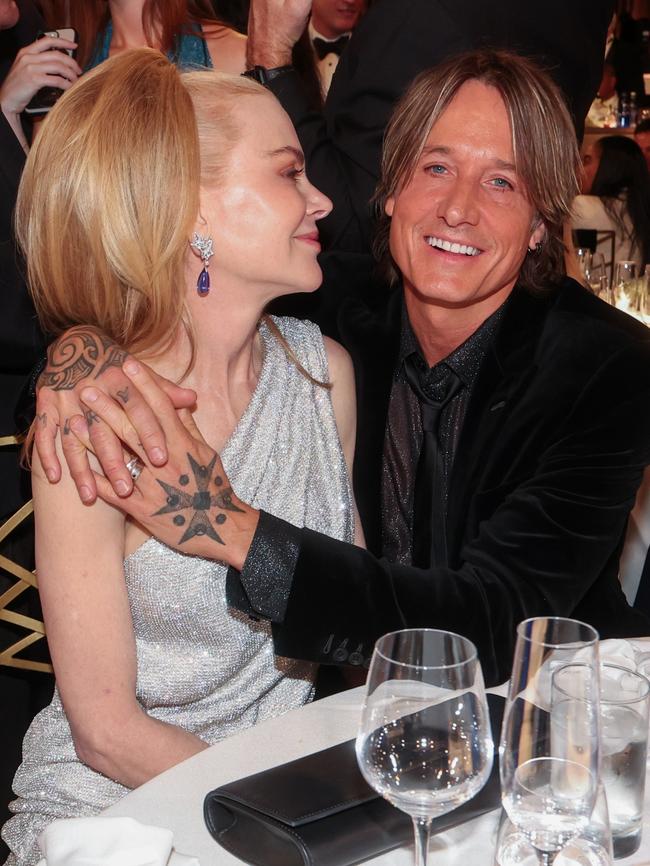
<point x="110" y="194"/>
<point x="543" y="138"/>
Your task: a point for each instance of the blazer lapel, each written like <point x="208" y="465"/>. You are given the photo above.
<point x="371" y="335"/>
<point x="506" y="370"/>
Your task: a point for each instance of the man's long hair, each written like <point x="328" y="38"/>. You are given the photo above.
<point x="543" y="141"/>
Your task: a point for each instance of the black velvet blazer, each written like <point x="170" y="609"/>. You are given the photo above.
<point x="554" y="443"/>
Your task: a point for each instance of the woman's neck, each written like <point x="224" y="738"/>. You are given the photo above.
<point x="228" y="358"/>
<point x="128" y="29"/>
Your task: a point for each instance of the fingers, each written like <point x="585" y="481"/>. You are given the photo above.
<point x="74" y="440"/>
<point x="108" y="427"/>
<point x="180" y="397"/>
<point x="38" y="66"/>
<point x="145" y="431"/>
<point x="189" y="423"/>
<point x="46" y="425"/>
<point x="156" y="407"/>
<point x="105" y="491"/>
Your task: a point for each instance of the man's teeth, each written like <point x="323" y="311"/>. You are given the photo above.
<point x="448" y="247"/>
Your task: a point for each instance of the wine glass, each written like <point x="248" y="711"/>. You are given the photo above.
<point x="592" y="848"/>
<point x="549" y="750"/>
<point x="596" y="272"/>
<point x="584" y="257"/>
<point x="624" y="285"/>
<point x="424" y="740"/>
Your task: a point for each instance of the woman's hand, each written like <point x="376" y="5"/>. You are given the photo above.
<point x="36" y="66"/>
<point x="188" y="503"/>
<point x="81" y="356"/>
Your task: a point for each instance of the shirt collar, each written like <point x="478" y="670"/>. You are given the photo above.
<point x="465" y="360"/>
<point x="313" y="34"/>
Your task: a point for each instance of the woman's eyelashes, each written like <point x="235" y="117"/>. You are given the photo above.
<point x="294" y="172"/>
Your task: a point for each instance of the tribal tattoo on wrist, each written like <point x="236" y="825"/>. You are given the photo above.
<point x="81" y="353"/>
<point x="209" y="493"/>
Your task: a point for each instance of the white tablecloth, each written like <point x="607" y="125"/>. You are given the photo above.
<point x="175" y="798"/>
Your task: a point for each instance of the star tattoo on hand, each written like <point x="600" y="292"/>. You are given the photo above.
<point x="199" y="502"/>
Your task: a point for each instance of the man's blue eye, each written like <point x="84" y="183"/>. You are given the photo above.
<point x="502" y="183"/>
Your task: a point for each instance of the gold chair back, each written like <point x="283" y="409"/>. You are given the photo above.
<point x="23" y="580"/>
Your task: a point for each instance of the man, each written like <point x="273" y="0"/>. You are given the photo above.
<point x="504" y="419"/>
<point x="642" y="138"/>
<point x="330" y="28"/>
<point x="393" y="42"/>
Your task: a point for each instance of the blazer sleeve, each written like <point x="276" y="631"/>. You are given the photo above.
<point x="544" y="549"/>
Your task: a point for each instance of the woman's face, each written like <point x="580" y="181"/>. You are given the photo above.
<point x="263" y="213"/>
<point x="590" y="162"/>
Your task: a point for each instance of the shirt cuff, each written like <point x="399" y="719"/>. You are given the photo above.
<point x="267" y="574"/>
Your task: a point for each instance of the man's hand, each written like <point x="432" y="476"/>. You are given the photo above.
<point x="274" y="27"/>
<point x="36" y="66"/>
<point x="188" y="503"/>
<point x="81" y="356"/>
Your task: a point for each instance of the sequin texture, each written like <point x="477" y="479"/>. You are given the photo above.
<point x="201" y="665"/>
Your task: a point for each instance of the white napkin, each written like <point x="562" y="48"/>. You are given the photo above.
<point x="618" y="652"/>
<point x="108" y="842"/>
<point x="615" y="651"/>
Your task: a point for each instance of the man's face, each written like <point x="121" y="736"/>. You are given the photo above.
<point x="9" y="14"/>
<point x="643" y="140"/>
<point x="462" y="225"/>
<point x="333" y="17"/>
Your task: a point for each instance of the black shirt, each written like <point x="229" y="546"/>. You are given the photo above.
<point x="403" y="437"/>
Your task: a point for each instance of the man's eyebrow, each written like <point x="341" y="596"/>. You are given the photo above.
<point x="435" y="148"/>
<point x="288" y="149"/>
<point x="439" y="148"/>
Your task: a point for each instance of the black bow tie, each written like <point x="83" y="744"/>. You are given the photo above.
<point x="322" y="47"/>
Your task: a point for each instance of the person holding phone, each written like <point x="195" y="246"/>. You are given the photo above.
<point x="44" y="63"/>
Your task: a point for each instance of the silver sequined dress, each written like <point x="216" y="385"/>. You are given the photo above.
<point x="202" y="665"/>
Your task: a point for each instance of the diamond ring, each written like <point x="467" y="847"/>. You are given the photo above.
<point x="135" y="467"/>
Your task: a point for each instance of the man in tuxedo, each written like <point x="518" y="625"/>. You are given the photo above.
<point x="330" y="28"/>
<point x="392" y="43"/>
<point x="504" y="411"/>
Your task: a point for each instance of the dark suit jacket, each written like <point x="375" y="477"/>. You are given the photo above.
<point x="395" y="41"/>
<point x="554" y="442"/>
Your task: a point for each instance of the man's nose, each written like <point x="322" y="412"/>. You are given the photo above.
<point x="458" y="206"/>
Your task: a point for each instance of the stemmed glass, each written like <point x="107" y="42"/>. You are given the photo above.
<point x="596" y="273"/>
<point x="549" y="750"/>
<point x="584" y="258"/>
<point x="624" y="287"/>
<point x="424" y="740"/>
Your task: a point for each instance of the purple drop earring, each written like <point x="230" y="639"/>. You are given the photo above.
<point x="203" y="245"/>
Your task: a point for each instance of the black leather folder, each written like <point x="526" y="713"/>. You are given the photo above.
<point x="319" y="811"/>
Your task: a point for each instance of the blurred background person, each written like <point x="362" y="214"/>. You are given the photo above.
<point x="330" y="27"/>
<point x="188" y="31"/>
<point x="616" y="196"/>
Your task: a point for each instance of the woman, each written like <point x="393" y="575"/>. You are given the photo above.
<point x="186" y="30"/>
<point x="172" y="232"/>
<point x="616" y="196"/>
